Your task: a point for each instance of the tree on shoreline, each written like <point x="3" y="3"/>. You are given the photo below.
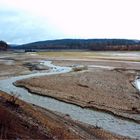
<point x="3" y="46"/>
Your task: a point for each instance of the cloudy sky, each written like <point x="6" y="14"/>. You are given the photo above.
<point x="23" y="21"/>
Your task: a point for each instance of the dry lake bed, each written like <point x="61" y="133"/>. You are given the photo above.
<point x="72" y="95"/>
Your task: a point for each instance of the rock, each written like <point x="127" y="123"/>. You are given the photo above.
<point x="36" y="66"/>
<point x="79" y="67"/>
<point x="40" y="67"/>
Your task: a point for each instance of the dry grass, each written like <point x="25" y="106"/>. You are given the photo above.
<point x="111" y="55"/>
<point x="58" y="127"/>
<point x="22" y="129"/>
<point x="13" y="124"/>
<point x="12" y="127"/>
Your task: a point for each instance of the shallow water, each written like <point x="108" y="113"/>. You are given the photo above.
<point x="125" y="54"/>
<point x="104" y="120"/>
<point x="102" y="67"/>
<point x="137" y="84"/>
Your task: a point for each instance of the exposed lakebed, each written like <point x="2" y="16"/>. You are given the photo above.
<point x="101" y="119"/>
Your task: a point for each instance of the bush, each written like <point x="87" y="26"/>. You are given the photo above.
<point x="13" y="99"/>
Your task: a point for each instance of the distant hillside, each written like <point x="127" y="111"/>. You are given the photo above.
<point x="3" y="46"/>
<point x="84" y="44"/>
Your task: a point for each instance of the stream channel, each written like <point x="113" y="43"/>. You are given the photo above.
<point x="92" y="117"/>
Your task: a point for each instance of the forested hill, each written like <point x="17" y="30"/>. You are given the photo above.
<point x="3" y="46"/>
<point x="84" y="44"/>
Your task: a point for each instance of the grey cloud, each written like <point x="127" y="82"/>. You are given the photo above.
<point x="18" y="27"/>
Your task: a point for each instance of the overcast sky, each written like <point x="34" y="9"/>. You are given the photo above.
<point x="23" y="21"/>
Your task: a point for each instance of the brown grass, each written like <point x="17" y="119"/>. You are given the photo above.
<point x="16" y="123"/>
<point x="11" y="127"/>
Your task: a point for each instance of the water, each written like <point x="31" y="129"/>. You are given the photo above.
<point x="137" y="83"/>
<point x="102" y="67"/>
<point x="104" y="120"/>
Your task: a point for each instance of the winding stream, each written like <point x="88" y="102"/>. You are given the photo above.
<point x="101" y="119"/>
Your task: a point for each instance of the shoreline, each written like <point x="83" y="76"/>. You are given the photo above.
<point x="76" y="129"/>
<point x="79" y="105"/>
<point x="75" y="101"/>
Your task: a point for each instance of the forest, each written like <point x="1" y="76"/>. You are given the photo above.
<point x="3" y="46"/>
<point x="84" y="44"/>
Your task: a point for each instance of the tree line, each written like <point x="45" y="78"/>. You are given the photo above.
<point x="85" y="44"/>
<point x="3" y="46"/>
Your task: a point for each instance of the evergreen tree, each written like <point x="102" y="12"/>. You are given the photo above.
<point x="3" y="46"/>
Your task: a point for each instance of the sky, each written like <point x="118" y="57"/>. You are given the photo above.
<point x="24" y="21"/>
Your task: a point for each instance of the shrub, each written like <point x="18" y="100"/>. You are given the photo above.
<point x="13" y="99"/>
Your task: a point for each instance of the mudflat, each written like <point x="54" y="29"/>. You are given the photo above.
<point x="107" y="85"/>
<point x="111" y="91"/>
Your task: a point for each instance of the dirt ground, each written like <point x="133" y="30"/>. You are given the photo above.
<point x="103" y="89"/>
<point x="14" y="70"/>
<point x="107" y="90"/>
<point x="99" y="62"/>
<point x="12" y="64"/>
<point x="26" y="121"/>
